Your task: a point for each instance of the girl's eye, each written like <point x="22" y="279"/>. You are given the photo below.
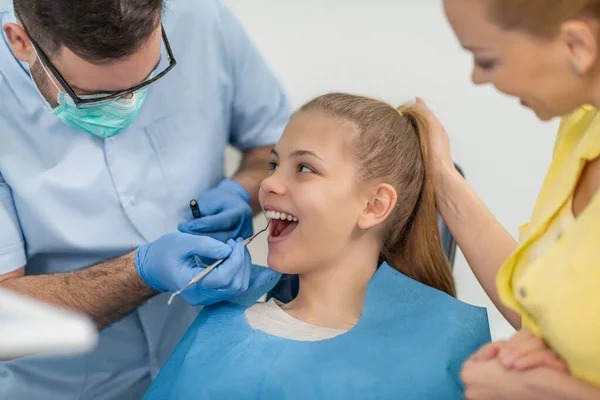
<point x="304" y="169"/>
<point x="273" y="166"/>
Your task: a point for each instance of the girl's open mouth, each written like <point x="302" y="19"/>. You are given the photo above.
<point x="282" y="225"/>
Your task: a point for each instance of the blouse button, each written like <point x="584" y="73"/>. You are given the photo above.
<point x="522" y="292"/>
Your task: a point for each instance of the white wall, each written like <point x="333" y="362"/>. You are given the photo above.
<point x="394" y="50"/>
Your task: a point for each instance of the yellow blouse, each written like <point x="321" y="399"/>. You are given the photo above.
<point x="553" y="278"/>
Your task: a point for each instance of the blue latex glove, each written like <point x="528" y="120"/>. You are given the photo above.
<point x="225" y="213"/>
<point x="169" y="263"/>
<point x="251" y="282"/>
<point x="261" y="279"/>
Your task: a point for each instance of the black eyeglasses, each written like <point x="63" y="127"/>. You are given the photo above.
<point x="101" y="98"/>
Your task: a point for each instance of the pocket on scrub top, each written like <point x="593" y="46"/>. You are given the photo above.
<point x="190" y="147"/>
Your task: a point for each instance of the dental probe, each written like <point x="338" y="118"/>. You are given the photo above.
<point x="214" y="265"/>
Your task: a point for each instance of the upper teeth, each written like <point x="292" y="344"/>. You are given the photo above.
<point x="280" y="215"/>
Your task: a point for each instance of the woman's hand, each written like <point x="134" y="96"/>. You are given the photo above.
<point x="527" y="351"/>
<point x="489" y="380"/>
<point x="487" y="352"/>
<point x="501" y="370"/>
<point x="522" y="352"/>
<point x="438" y="142"/>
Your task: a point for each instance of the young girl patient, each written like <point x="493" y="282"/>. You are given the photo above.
<point x="352" y="212"/>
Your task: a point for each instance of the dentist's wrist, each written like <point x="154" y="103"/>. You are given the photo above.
<point x="233" y="186"/>
<point x="138" y="258"/>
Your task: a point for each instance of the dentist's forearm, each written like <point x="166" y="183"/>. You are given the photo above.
<point x="253" y="170"/>
<point x="106" y="292"/>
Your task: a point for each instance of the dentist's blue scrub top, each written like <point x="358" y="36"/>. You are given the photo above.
<point x="69" y="200"/>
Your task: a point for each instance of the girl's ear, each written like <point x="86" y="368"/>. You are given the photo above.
<point x="378" y="207"/>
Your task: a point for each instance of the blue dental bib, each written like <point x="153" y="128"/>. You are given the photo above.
<point x="409" y="344"/>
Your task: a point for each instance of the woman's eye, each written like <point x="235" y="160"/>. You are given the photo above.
<point x="485" y="64"/>
<point x="273" y="166"/>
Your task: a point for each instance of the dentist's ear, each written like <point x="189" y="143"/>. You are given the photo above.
<point x="20" y="43"/>
<point x="380" y="204"/>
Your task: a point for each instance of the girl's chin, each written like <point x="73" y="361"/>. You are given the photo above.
<point x="280" y="265"/>
<point x="275" y="264"/>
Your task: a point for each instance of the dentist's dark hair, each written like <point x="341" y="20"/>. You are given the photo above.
<point x="390" y="148"/>
<point x="96" y="30"/>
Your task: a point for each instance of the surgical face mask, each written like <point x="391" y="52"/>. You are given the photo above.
<point x="103" y="120"/>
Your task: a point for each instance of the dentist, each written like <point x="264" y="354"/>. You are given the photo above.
<point x="113" y="116"/>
